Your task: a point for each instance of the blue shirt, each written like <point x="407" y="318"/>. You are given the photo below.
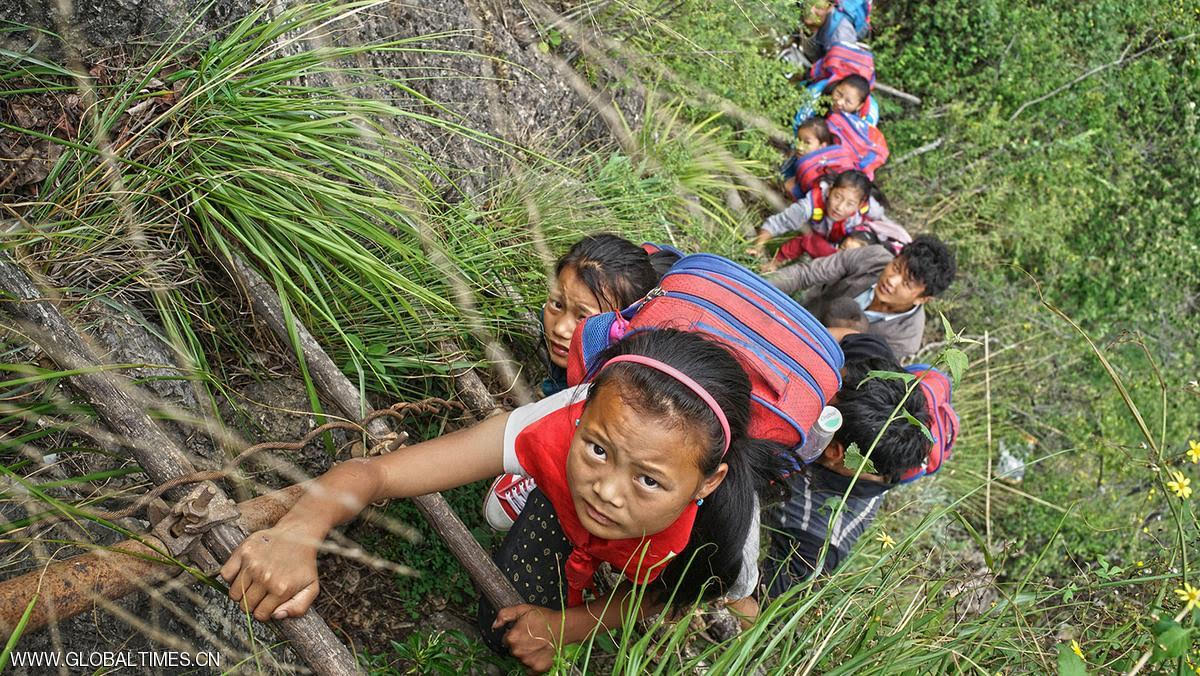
<point x="865" y="298"/>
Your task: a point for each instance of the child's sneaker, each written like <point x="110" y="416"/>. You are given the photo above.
<point x="505" y="500"/>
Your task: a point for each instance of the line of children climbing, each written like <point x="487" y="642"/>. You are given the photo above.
<point x="837" y="149"/>
<point x="868" y="280"/>
<point x="683" y="404"/>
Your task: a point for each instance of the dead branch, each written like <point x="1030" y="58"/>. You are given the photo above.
<point x="1098" y="69"/>
<point x="897" y="94"/>
<point x="928" y="147"/>
<point x="76" y="584"/>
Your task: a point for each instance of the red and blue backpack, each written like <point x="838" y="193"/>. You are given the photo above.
<point x="857" y="12"/>
<point x="794" y="364"/>
<point x="827" y="160"/>
<point x="943" y="421"/>
<point x="841" y="61"/>
<point x="864" y="140"/>
<point x="651" y="248"/>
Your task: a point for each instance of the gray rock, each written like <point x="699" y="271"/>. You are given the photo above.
<point x="278" y="410"/>
<point x="487" y="73"/>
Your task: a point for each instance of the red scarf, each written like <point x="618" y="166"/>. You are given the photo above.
<point x="542" y="451"/>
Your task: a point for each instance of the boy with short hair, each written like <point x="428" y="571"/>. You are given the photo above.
<point x="891" y="289"/>
<point x="799" y="524"/>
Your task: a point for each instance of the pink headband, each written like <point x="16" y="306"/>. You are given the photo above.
<point x="685" y="381"/>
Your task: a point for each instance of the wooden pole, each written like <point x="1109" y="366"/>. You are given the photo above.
<point x="337" y="388"/>
<point x="156" y="451"/>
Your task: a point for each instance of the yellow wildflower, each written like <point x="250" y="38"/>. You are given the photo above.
<point x="1077" y="650"/>
<point x="1189" y="595"/>
<point x="1180" y="485"/>
<point x="886" y="540"/>
<point x="1193" y="451"/>
<point x="1141" y="564"/>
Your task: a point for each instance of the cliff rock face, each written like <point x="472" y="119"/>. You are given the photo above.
<point x="488" y="72"/>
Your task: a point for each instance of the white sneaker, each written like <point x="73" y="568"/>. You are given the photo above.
<point x="505" y="499"/>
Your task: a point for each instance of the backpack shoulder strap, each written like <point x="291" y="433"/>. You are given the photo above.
<point x="818" y="202"/>
<point x="653" y="248"/>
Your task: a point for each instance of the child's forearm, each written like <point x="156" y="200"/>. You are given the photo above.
<point x="792" y="219"/>
<point x="606" y="614"/>
<point x="334" y="498"/>
<point x="343" y="492"/>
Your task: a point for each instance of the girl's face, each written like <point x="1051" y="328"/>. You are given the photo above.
<point x="631" y="475"/>
<point x="846" y="99"/>
<point x="844" y="202"/>
<point x="806" y="141"/>
<point x="569" y="301"/>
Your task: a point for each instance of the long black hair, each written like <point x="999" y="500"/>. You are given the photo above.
<point x="712" y="560"/>
<point x="617" y="271"/>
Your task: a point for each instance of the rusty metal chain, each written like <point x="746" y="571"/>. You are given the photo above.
<point x="392" y="441"/>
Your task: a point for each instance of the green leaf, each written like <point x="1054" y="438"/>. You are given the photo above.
<point x="1069" y="663"/>
<point x="913" y="421"/>
<point x="17" y="631"/>
<point x="1163" y="626"/>
<point x="979" y="542"/>
<point x="830" y="505"/>
<point x="854" y="460"/>
<point x="949" y="330"/>
<point x="886" y="375"/>
<point x="1172" y="643"/>
<point x="956" y="361"/>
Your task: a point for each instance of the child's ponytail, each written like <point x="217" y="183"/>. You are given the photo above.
<point x="661" y="261"/>
<point x="714" y="557"/>
<point x="878" y="196"/>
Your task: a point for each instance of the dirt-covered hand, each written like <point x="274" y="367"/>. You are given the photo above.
<point x="273" y="573"/>
<point x="534" y="635"/>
